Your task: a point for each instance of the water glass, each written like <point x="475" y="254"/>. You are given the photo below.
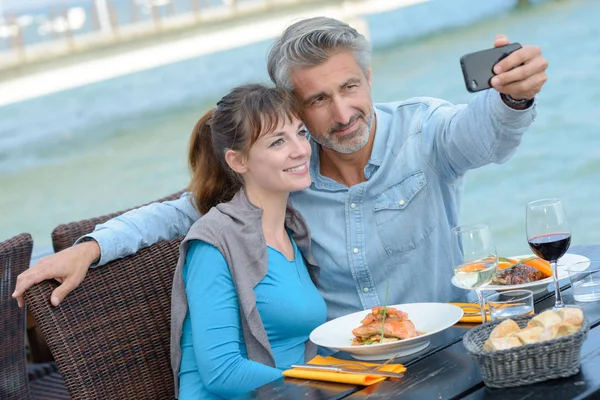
<point x="475" y="258"/>
<point x="510" y="304"/>
<point x="585" y="280"/>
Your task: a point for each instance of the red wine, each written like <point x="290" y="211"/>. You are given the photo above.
<point x="550" y="247"/>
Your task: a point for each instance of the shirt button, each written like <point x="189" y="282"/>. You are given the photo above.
<point x="366" y="290"/>
<point x="355" y="250"/>
<point x="401" y="202"/>
<point x="353" y="205"/>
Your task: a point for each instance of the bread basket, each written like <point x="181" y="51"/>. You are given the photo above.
<point x="530" y="363"/>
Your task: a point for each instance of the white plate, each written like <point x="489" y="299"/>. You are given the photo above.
<point x="427" y="317"/>
<point x="536" y="286"/>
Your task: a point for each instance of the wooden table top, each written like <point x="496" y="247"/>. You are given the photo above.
<point x="444" y="370"/>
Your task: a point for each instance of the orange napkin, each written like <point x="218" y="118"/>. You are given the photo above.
<point x="472" y="308"/>
<point x="331" y="376"/>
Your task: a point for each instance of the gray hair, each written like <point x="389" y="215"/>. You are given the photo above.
<point x="311" y="42"/>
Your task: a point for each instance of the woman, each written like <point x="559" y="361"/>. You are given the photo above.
<point x="243" y="303"/>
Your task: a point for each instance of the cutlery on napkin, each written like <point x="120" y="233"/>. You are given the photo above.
<point x="472" y="313"/>
<point x="321" y="369"/>
<point x="348" y="370"/>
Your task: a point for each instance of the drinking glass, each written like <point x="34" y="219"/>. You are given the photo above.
<point x="585" y="280"/>
<point x="477" y="259"/>
<point x="510" y="304"/>
<point x="549" y="236"/>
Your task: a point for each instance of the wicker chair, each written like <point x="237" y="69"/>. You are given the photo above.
<point x="15" y="255"/>
<point x="110" y="336"/>
<point x="65" y="235"/>
<point x="17" y="379"/>
<point x="45" y="382"/>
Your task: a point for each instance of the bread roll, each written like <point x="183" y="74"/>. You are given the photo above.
<point x="545" y="319"/>
<point x="529" y="335"/>
<point x="566" y="329"/>
<point x="504" y="328"/>
<point x="559" y="330"/>
<point x="571" y="315"/>
<point x="545" y="326"/>
<point x="549" y="333"/>
<point x="501" y="343"/>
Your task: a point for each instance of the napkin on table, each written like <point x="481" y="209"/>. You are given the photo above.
<point x="340" y="377"/>
<point x="472" y="308"/>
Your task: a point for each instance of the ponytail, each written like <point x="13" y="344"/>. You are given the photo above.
<point x="212" y="182"/>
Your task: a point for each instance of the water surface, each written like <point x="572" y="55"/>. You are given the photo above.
<point x="122" y="142"/>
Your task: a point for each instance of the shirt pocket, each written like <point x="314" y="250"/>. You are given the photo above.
<point x="404" y="214"/>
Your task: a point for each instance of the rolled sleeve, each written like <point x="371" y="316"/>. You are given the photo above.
<point x="517" y="118"/>
<point x="143" y="227"/>
<point x="107" y="243"/>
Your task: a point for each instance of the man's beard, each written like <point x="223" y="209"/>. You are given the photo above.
<point x="352" y="141"/>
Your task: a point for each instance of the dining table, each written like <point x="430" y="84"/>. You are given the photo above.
<point x="445" y="370"/>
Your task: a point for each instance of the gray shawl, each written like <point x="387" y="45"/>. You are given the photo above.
<point x="235" y="229"/>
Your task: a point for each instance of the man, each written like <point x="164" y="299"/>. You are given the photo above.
<point x="387" y="179"/>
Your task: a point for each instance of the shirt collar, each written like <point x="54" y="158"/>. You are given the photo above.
<point x="381" y="136"/>
<point x="319" y="181"/>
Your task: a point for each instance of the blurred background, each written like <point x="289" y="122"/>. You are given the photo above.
<point x="98" y="97"/>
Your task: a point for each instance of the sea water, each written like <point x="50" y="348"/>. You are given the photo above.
<point x="122" y="142"/>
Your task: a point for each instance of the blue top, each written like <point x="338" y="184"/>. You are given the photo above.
<point x="395" y="226"/>
<point x="214" y="362"/>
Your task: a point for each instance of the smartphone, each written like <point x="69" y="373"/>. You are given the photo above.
<point x="477" y="68"/>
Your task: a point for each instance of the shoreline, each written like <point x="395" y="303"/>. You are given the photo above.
<point x="49" y="113"/>
<point x="127" y="61"/>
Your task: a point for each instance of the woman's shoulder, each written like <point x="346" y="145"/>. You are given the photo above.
<point x="199" y="250"/>
<point x="196" y="246"/>
<point x="232" y="219"/>
<point x="201" y="255"/>
<point x="211" y="223"/>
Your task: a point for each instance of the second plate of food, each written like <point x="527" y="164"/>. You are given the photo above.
<point x="539" y="285"/>
<point x="427" y="318"/>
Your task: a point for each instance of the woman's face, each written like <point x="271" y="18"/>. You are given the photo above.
<point x="279" y="160"/>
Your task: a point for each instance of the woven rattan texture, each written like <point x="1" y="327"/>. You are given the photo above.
<point x="15" y="255"/>
<point x="110" y="336"/>
<point x="45" y="382"/>
<point x="557" y="358"/>
<point x="65" y="235"/>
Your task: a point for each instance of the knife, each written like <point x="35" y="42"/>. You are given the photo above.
<point x="347" y="370"/>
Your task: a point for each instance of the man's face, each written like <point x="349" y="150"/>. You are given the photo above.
<point x="336" y="102"/>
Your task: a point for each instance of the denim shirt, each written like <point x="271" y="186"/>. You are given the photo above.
<point x="390" y="233"/>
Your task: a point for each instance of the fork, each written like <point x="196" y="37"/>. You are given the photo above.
<point x="475" y="310"/>
<point x="364" y="367"/>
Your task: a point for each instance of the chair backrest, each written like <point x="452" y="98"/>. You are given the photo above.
<point x="15" y="255"/>
<point x="65" y="235"/>
<point x="110" y="336"/>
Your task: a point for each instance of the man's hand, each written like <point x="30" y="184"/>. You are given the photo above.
<point x="527" y="77"/>
<point x="68" y="267"/>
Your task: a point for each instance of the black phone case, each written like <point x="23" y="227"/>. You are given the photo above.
<point x="477" y="68"/>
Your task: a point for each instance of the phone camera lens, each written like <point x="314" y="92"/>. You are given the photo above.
<point x="473" y="84"/>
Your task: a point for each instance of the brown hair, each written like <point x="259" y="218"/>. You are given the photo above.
<point x="237" y="122"/>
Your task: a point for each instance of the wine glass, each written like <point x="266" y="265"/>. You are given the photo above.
<point x="475" y="257"/>
<point x="549" y="236"/>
